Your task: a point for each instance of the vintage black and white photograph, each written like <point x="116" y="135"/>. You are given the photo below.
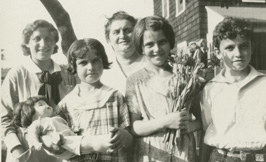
<point x="133" y="80"/>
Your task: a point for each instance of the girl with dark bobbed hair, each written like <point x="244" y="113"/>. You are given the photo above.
<point x="147" y="95"/>
<point x="80" y="47"/>
<point x="92" y="108"/>
<point x="38" y="74"/>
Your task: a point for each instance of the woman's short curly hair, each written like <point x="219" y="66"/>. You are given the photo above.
<point x="23" y="111"/>
<point x="231" y="28"/>
<point x="30" y="28"/>
<point x="81" y="47"/>
<point x="152" y="23"/>
<point x="120" y="15"/>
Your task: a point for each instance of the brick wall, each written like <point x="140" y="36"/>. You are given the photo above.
<point x="232" y="4"/>
<point x="157" y="7"/>
<point x="192" y="24"/>
<point x="189" y="25"/>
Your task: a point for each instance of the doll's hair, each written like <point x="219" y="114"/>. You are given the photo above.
<point x="152" y="23"/>
<point x="120" y="15"/>
<point x="230" y="28"/>
<point x="30" y="28"/>
<point x="23" y="111"/>
<point x="81" y="47"/>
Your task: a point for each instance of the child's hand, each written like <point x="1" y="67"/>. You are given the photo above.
<point x="120" y="138"/>
<point x="187" y="128"/>
<point x="191" y="125"/>
<point x="101" y="143"/>
<point x="177" y="120"/>
<point x="52" y="142"/>
<point x="98" y="143"/>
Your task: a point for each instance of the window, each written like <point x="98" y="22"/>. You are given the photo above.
<point x="180" y="6"/>
<point x="165" y="8"/>
<point x="254" y="1"/>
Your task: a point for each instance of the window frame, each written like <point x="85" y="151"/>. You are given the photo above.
<point x="165" y="8"/>
<point x="177" y="7"/>
<point x="253" y="1"/>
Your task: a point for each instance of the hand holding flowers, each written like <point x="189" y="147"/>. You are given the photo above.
<point x="187" y="81"/>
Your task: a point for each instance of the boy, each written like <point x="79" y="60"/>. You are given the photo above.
<point x="233" y="102"/>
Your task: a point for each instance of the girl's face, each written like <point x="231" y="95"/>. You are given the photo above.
<point x="120" y="37"/>
<point x="90" y="67"/>
<point x="42" y="110"/>
<point x="156" y="47"/>
<point x="41" y="44"/>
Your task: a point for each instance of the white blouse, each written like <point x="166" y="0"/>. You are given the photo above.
<point x="234" y="114"/>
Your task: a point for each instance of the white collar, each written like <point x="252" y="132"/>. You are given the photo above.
<point x="92" y="101"/>
<point x="252" y="75"/>
<point x="32" y="67"/>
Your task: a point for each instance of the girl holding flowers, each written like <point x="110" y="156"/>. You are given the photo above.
<point x="148" y="98"/>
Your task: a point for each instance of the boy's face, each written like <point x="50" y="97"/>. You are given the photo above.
<point x="41" y="44"/>
<point x="90" y="67"/>
<point x="236" y="53"/>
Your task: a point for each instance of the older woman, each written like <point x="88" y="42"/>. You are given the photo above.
<point x="148" y="99"/>
<point x="118" y="33"/>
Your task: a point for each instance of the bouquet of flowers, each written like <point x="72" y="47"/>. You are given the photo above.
<point x="185" y="84"/>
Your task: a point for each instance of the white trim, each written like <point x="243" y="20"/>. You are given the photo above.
<point x="165" y="8"/>
<point x="178" y="6"/>
<point x="254" y="1"/>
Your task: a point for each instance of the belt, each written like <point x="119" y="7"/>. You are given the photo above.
<point x="92" y="157"/>
<point x="243" y="155"/>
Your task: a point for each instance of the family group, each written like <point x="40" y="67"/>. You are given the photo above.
<point x="94" y="110"/>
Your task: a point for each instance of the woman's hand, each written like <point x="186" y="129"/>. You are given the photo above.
<point x="120" y="138"/>
<point x="177" y="120"/>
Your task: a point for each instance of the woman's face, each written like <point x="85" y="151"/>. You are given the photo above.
<point x="156" y="47"/>
<point x="41" y="44"/>
<point x="120" y="38"/>
<point x="90" y="67"/>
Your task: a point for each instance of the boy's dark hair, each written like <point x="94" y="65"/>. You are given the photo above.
<point x="81" y="47"/>
<point x="23" y="111"/>
<point x="120" y="15"/>
<point x="230" y="28"/>
<point x="153" y="23"/>
<point x="30" y="28"/>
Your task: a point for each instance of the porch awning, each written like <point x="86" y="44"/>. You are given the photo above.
<point x="253" y="14"/>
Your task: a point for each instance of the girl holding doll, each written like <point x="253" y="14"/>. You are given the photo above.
<point x="94" y="109"/>
<point x="46" y="129"/>
<point x="37" y="75"/>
